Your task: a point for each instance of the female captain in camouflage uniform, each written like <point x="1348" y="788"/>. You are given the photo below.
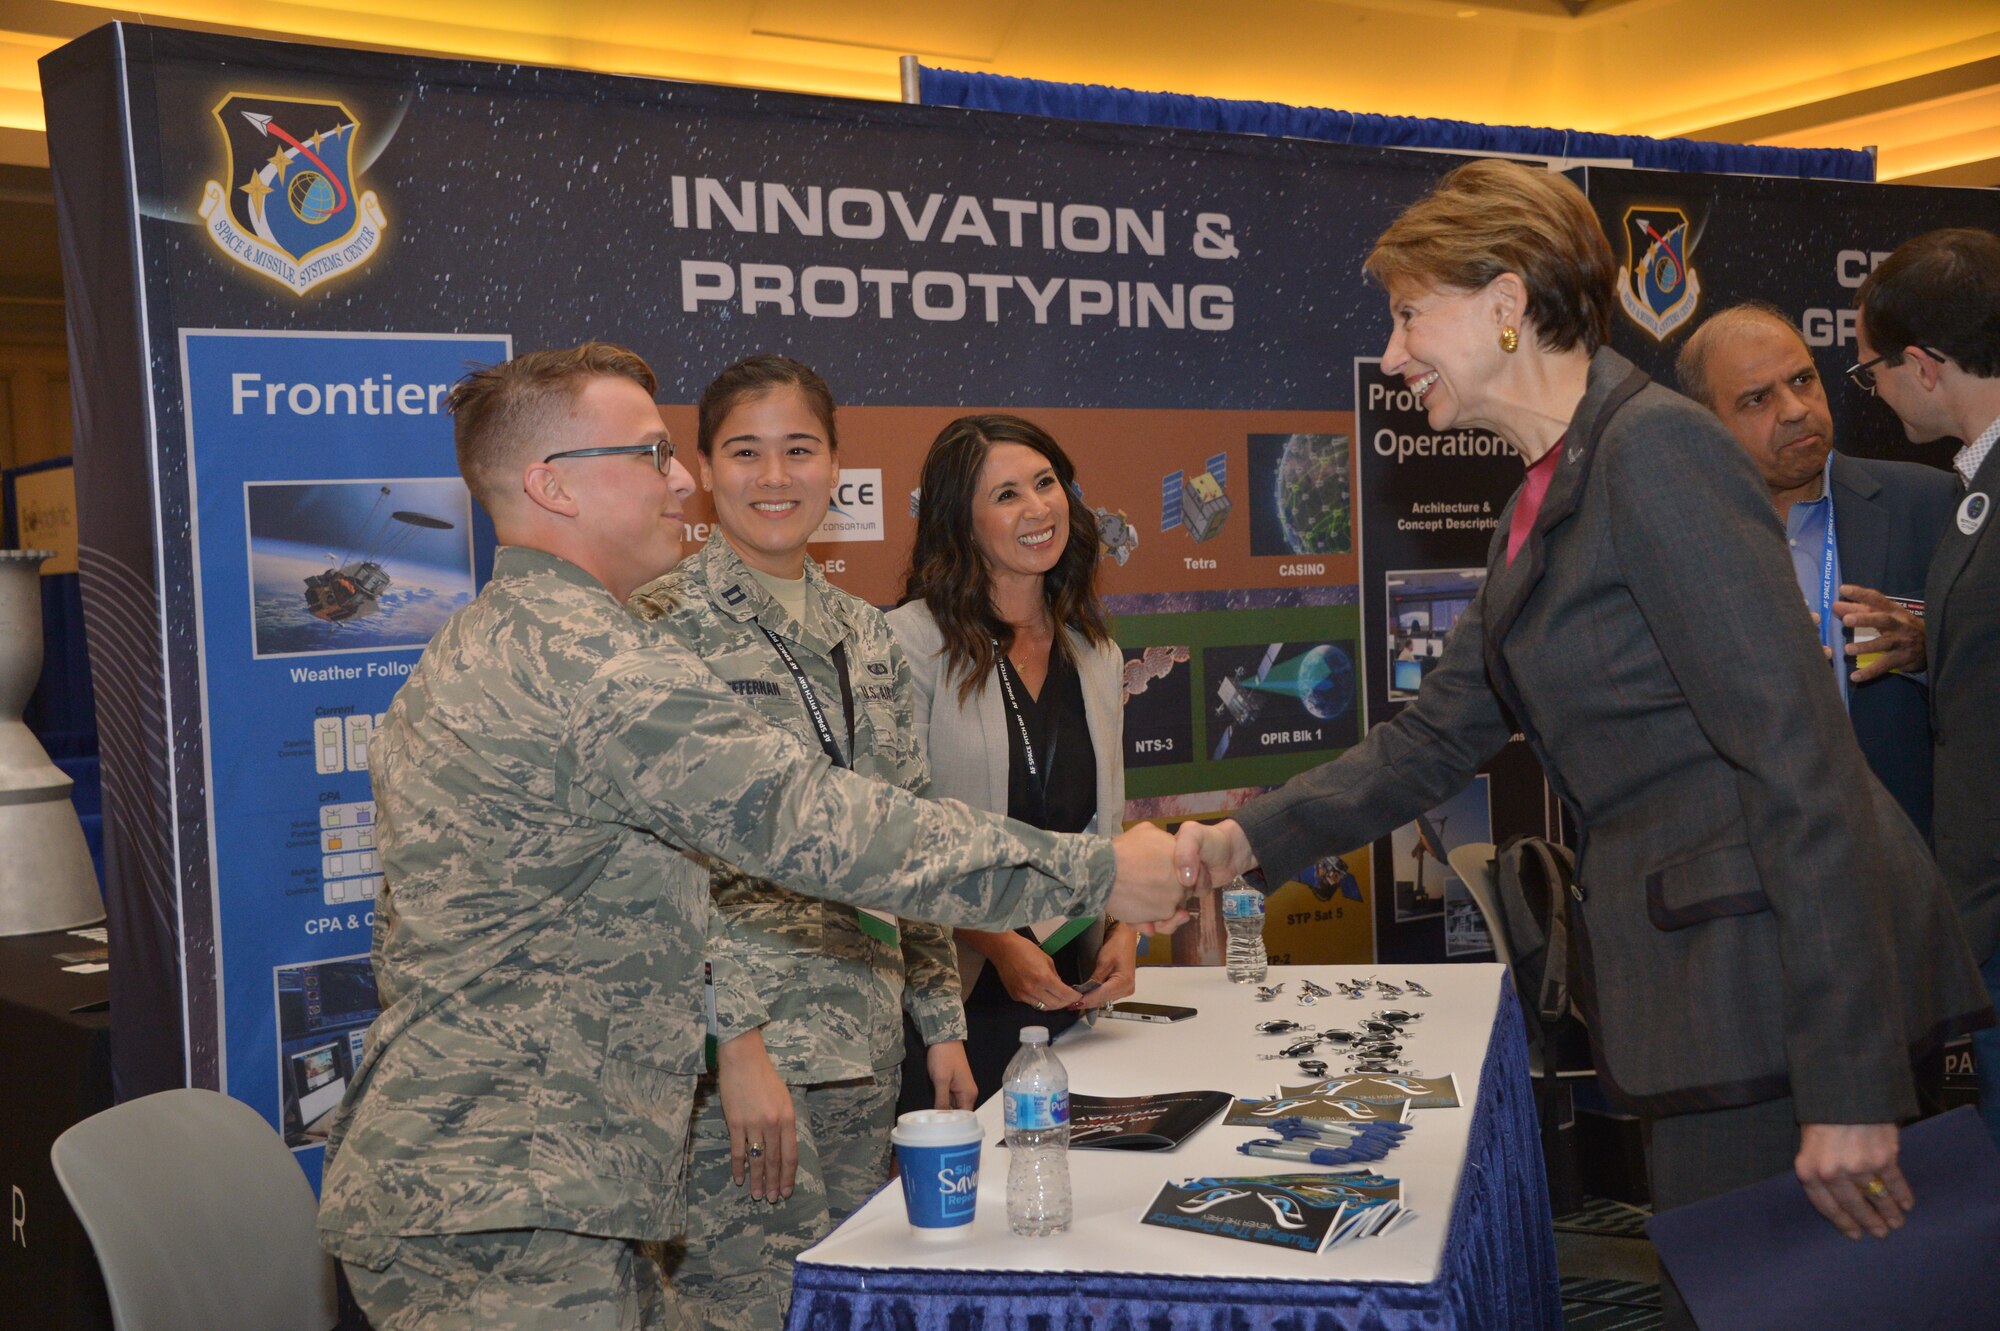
<point x="809" y="995"/>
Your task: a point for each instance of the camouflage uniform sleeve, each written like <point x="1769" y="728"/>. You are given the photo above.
<point x="930" y="982"/>
<point x="931" y="989"/>
<point x="658" y="741"/>
<point x="738" y="1005"/>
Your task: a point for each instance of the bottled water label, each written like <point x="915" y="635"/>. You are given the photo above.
<point x="1034" y="1111"/>
<point x="1243" y="904"/>
<point x="1243" y="918"/>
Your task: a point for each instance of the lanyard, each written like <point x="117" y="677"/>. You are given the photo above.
<point x="1038" y="771"/>
<point x="1829" y="631"/>
<point x="810" y="696"/>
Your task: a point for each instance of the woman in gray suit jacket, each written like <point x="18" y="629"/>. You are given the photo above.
<point x="1765" y="941"/>
<point x="1019" y="692"/>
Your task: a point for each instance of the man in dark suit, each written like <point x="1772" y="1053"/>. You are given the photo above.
<point x="1930" y="348"/>
<point x="1860" y="531"/>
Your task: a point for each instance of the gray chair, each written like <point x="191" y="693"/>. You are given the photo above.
<point x="1473" y="863"/>
<point x="200" y="1217"/>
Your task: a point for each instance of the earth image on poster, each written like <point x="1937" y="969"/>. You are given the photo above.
<point x="1325" y="682"/>
<point x="1306" y="506"/>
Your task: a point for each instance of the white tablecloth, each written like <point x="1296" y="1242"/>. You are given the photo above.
<point x="1216" y="1050"/>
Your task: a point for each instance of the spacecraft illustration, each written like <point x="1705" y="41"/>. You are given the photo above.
<point x="1329" y="878"/>
<point x="1116" y="538"/>
<point x="1320" y="677"/>
<point x="354" y="581"/>
<point x="1199" y="502"/>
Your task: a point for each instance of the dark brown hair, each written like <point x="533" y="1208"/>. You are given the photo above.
<point x="499" y="411"/>
<point x="1942" y="291"/>
<point x="753" y="377"/>
<point x="949" y="572"/>
<point x="1492" y="216"/>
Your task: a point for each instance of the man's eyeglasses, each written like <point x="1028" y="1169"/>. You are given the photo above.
<point x="1862" y="376"/>
<point x="662" y="450"/>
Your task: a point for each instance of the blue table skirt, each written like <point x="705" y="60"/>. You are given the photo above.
<point x="1499" y="1266"/>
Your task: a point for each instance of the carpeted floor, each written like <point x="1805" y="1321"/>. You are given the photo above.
<point x="1609" y="1305"/>
<point x="1610" y="1277"/>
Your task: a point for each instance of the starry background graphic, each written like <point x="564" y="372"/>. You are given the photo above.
<point x="1781" y="241"/>
<point x="538" y="203"/>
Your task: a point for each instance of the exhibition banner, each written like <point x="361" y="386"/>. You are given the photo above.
<point x="1429" y="504"/>
<point x="332" y="537"/>
<point x="279" y="258"/>
<point x="284" y="256"/>
<point x="1688" y="246"/>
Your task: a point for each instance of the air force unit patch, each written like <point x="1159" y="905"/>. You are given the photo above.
<point x="1658" y="286"/>
<point x="291" y="210"/>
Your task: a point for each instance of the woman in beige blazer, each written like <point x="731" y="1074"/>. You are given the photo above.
<point x="1019" y="694"/>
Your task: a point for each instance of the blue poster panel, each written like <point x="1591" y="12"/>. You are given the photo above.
<point x="332" y="537"/>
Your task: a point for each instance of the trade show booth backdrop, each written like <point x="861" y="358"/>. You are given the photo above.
<point x="279" y="258"/>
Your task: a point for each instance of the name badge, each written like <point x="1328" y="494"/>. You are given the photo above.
<point x="1972" y="512"/>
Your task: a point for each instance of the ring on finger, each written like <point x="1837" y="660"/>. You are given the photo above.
<point x="1875" y="1187"/>
<point x="1040" y="1006"/>
<point x="757" y="1151"/>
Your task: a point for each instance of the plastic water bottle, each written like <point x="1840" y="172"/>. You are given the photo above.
<point x="1037" y="1105"/>
<point x="1243" y="916"/>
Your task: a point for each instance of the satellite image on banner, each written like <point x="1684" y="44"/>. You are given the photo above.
<point x="1280" y="697"/>
<point x="1299" y="495"/>
<point x="340" y="566"/>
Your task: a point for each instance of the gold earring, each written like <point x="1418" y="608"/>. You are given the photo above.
<point x="1510" y="341"/>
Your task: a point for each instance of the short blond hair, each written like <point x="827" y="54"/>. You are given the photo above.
<point x="500" y="413"/>
<point x="1493" y="216"/>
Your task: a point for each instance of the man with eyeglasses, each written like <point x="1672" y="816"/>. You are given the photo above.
<point x="544" y="781"/>
<point x="1930" y="348"/>
<point x="1860" y="531"/>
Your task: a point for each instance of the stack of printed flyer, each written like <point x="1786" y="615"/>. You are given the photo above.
<point x="1304" y="1212"/>
<point x="1347" y="1120"/>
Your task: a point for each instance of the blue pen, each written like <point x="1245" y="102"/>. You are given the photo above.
<point x="1334" y="1133"/>
<point x="1325" y="1132"/>
<point x="1270" y="1149"/>
<point x="1365" y="1142"/>
<point x="1381" y="1127"/>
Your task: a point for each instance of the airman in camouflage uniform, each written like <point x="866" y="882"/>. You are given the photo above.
<point x="519" y="1118"/>
<point x="825" y="983"/>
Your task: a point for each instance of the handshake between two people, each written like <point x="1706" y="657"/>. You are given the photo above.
<point x="1160" y="876"/>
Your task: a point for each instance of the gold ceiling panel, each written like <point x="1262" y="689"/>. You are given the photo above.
<point x="1795" y="72"/>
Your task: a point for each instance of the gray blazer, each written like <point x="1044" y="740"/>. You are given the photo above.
<point x="1962" y="632"/>
<point x="968" y="744"/>
<point x="1756" y="916"/>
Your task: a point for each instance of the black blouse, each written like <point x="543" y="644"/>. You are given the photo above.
<point x="1063" y="751"/>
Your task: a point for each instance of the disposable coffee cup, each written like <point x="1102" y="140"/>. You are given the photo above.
<point x="937" y="1155"/>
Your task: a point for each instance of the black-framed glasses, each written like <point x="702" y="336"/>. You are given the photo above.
<point x="662" y="450"/>
<point x="1862" y="375"/>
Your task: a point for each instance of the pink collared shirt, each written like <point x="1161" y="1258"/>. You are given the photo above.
<point x="1532" y="495"/>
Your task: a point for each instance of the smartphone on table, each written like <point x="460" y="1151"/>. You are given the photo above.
<point x="1159" y="1012"/>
